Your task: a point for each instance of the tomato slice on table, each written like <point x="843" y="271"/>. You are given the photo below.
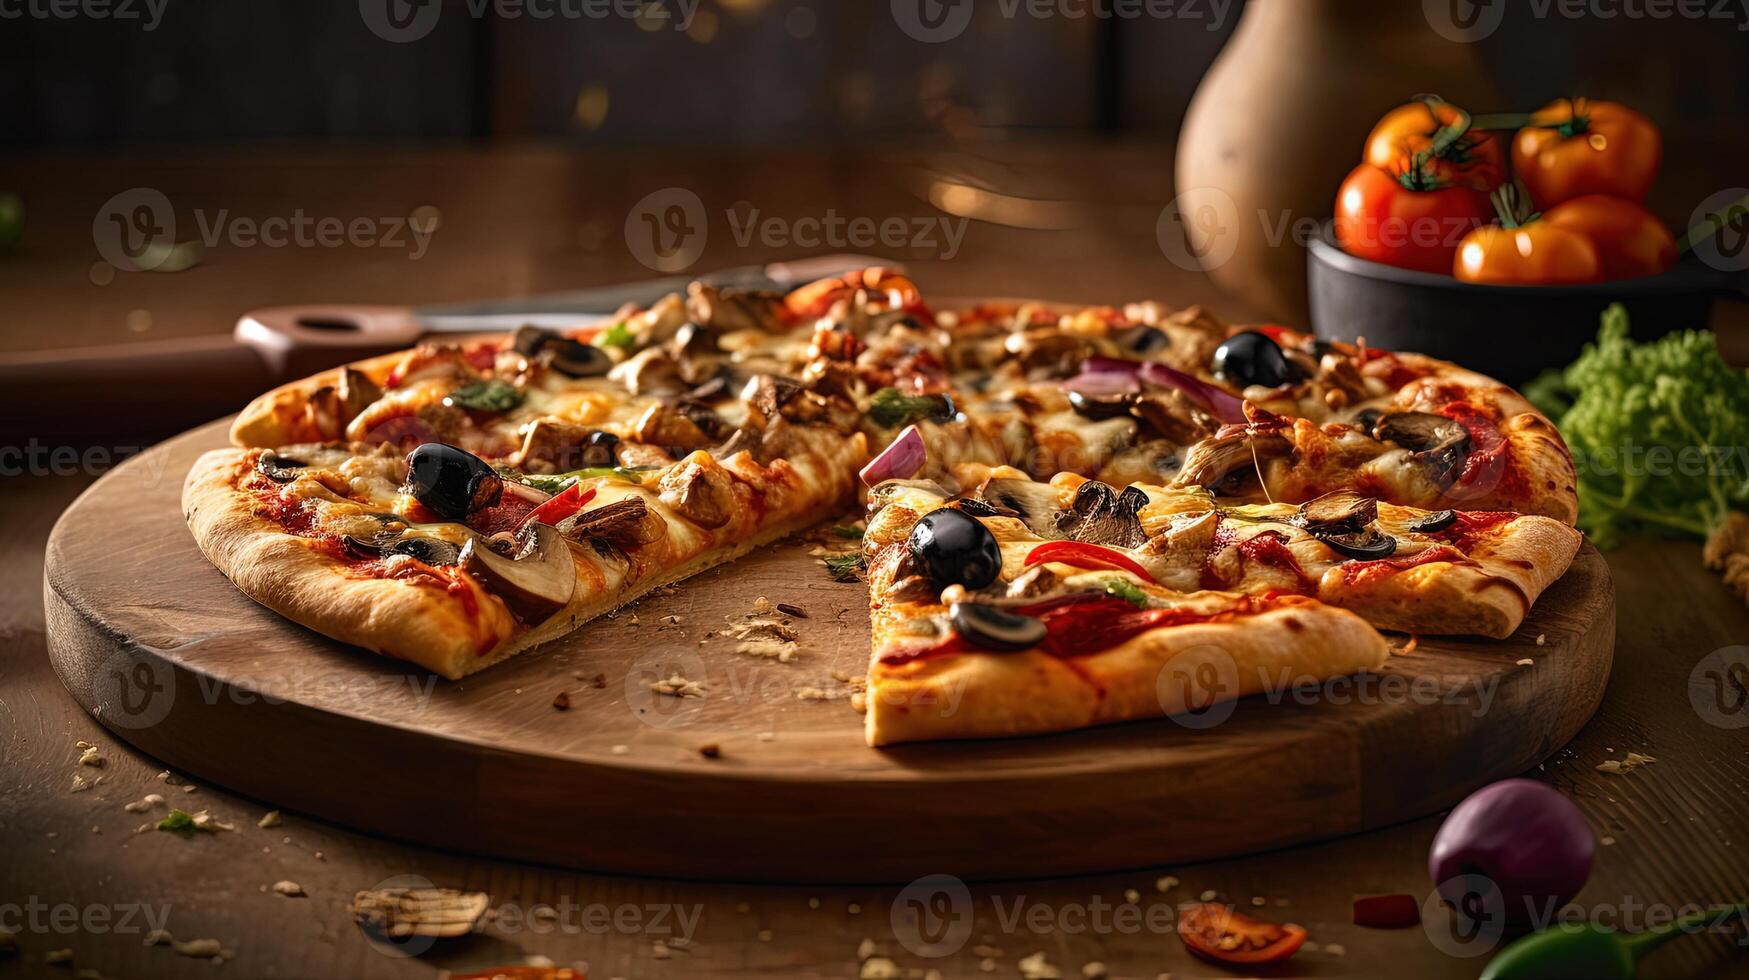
<point x="1084" y="555"/>
<point x="1216" y="932"/>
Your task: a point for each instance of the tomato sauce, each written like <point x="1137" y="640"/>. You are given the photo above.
<point x="1270" y="548"/>
<point x="1359" y="572"/>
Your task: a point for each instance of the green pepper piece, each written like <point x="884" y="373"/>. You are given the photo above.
<point x="1587" y="951"/>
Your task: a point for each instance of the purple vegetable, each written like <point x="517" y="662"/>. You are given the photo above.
<point x="1526" y="839"/>
<point x="899" y="461"/>
<point x="1100" y="383"/>
<point x="1228" y="408"/>
<point x="1110" y="365"/>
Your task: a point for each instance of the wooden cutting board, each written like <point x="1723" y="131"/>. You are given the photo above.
<point x="161" y="649"/>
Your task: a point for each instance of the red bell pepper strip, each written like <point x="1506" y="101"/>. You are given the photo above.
<point x="1084" y="555"/>
<point x="562" y="505"/>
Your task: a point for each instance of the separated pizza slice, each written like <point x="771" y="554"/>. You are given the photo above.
<point x="1100" y="589"/>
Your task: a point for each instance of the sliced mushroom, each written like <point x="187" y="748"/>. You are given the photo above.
<point x="1101" y="516"/>
<point x="279" y="469"/>
<point x="1036" y="504"/>
<point x="1439" y="444"/>
<point x="1338" y="509"/>
<point x="975" y="507"/>
<point x="648" y="372"/>
<point x="1174" y="416"/>
<point x="536" y="582"/>
<point x="668" y="425"/>
<point x="705" y="497"/>
<point x="1230" y="452"/>
<point x="628" y="523"/>
<point x="728" y="310"/>
<point x="388" y="544"/>
<point x="1432" y="523"/>
<point x="552" y="445"/>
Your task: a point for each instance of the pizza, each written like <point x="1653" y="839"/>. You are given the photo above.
<point x="1015" y="606"/>
<point x="1257" y="494"/>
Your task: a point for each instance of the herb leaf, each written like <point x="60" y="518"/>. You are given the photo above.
<point x="892" y="408"/>
<point x="176" y="820"/>
<point x="619" y="335"/>
<point x="486" y="396"/>
<point x="844" y="568"/>
<point x="848" y="532"/>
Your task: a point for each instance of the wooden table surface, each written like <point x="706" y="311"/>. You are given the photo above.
<point x="74" y="875"/>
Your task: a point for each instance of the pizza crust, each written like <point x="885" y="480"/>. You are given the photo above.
<point x="1163" y="671"/>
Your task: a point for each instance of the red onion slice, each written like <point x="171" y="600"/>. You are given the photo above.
<point x="1109" y="365"/>
<point x="1098" y="383"/>
<point x="1220" y="404"/>
<point x="900" y="461"/>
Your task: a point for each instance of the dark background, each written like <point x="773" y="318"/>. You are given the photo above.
<point x="749" y="72"/>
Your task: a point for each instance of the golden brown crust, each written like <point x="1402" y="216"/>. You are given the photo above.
<point x="281" y="417"/>
<point x="1163" y="671"/>
<point x="403" y="618"/>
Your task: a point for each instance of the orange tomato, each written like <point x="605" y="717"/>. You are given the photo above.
<point x="1474" y="160"/>
<point x="1382" y="216"/>
<point x="1575" y="147"/>
<point x="1631" y="241"/>
<point x="1536" y="253"/>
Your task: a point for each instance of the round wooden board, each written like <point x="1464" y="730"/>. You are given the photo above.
<point x="159" y="646"/>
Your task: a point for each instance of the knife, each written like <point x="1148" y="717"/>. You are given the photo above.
<point x="103" y="391"/>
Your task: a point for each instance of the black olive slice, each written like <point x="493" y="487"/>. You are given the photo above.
<point x="954" y="548"/>
<point x="1251" y="358"/>
<point x="995" y="629"/>
<point x="1366" y="418"/>
<point x="1100" y="407"/>
<point x="1366" y="545"/>
<point x="1437" y="521"/>
<point x="599" y="449"/>
<point x="431" y="551"/>
<point x="530" y="340"/>
<point x="1144" y="339"/>
<point x="1338" y="510"/>
<point x="576" y="359"/>
<point x="452" y="482"/>
<point x="279" y="469"/>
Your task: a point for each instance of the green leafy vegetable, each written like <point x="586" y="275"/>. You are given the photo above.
<point x="1127" y="590"/>
<point x="618" y="335"/>
<point x="1659" y="431"/>
<point x="892" y="408"/>
<point x="486" y="396"/>
<point x="177" y="820"/>
<point x="558" y="483"/>
<point x="845" y="567"/>
<point x="848" y="532"/>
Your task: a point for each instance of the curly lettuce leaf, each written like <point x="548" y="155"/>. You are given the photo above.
<point x="1659" y="431"/>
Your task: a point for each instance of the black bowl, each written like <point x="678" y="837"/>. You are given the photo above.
<point x="1508" y="332"/>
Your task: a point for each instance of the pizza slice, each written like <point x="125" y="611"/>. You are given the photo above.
<point x="1019" y="606"/>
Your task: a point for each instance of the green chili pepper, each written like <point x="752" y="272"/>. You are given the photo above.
<point x="1587" y="951"/>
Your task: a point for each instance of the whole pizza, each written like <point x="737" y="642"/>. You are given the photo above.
<point x="1065" y="506"/>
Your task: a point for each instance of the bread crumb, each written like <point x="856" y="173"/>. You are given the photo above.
<point x="1132" y="896"/>
<point x="764" y="935"/>
<point x="1035" y="967"/>
<point x="767" y="736"/>
<point x="865" y="949"/>
<point x="987" y="965"/>
<point x="158" y="937"/>
<point x="677" y="686"/>
<point x="269" y="819"/>
<point x="1634" y="760"/>
<point x="200" y="948"/>
<point x="290" y="889"/>
<point x="1094" y="970"/>
<point x="1542" y="639"/>
<point x="1165" y="883"/>
<point x="853" y="909"/>
<point x="620" y="749"/>
<point x="90" y="757"/>
<point x="878" y="968"/>
<point x="1526" y="662"/>
<point x="1335" y="949"/>
<point x="80" y="784"/>
<point x="58" y="957"/>
<point x="1606" y="841"/>
<point x="562" y="701"/>
<point x="711" y="750"/>
<point x="659" y="950"/>
<point x="1208" y="895"/>
<point x="1258" y="901"/>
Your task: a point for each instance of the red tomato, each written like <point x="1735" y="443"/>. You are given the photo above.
<point x="1475" y="159"/>
<point x="1631" y="241"/>
<point x="1575" y="147"/>
<point x="1084" y="555"/>
<point x="1216" y="932"/>
<point x="1534" y="254"/>
<point x="1407" y="219"/>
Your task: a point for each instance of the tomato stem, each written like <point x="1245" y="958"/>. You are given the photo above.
<point x="1577" y="120"/>
<point x="1511" y="207"/>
